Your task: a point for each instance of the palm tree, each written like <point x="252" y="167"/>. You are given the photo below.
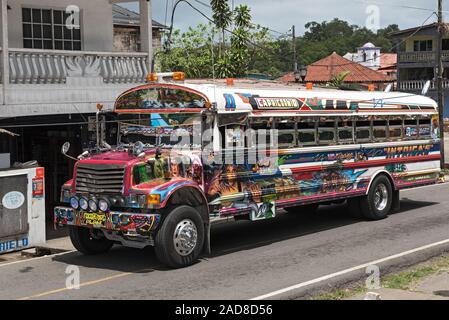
<point x="222" y="16"/>
<point x="339" y="79"/>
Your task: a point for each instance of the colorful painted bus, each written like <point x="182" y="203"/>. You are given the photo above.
<point x="191" y="153"/>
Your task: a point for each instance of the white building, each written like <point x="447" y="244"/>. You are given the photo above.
<point x="368" y="55"/>
<point x="57" y="62"/>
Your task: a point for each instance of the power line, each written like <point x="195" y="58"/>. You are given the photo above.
<point x="395" y="5"/>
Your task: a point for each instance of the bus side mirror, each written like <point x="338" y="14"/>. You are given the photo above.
<point x="426" y="88"/>
<point x="65" y="148"/>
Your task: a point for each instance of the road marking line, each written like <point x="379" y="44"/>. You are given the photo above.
<point x="46" y="293"/>
<point x="36" y="258"/>
<point x="88" y="283"/>
<point x="342" y="272"/>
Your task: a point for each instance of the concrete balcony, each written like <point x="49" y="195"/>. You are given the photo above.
<point x="421" y="57"/>
<point x="418" y="85"/>
<point x="49" y="82"/>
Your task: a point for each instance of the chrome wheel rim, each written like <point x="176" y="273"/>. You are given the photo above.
<point x="380" y="197"/>
<point x="185" y="237"/>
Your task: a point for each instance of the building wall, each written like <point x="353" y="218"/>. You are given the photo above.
<point x="95" y="36"/>
<point x="127" y="39"/>
<point x="409" y="44"/>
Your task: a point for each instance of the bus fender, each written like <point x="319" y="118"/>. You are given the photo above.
<point x="191" y="195"/>
<point x="386" y="173"/>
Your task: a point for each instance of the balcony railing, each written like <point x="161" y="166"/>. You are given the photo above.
<point x="32" y="66"/>
<point x="420" y="57"/>
<point x="415" y="85"/>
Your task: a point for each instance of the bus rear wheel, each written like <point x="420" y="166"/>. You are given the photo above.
<point x="180" y="239"/>
<point x="377" y="204"/>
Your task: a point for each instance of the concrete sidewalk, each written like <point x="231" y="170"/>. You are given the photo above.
<point x="59" y="244"/>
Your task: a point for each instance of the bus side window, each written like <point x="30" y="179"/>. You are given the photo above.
<point x="306" y="132"/>
<point x="410" y="128"/>
<point x="234" y="137"/>
<point x="345" y="131"/>
<point x="363" y="130"/>
<point x="326" y="131"/>
<point x="395" y="127"/>
<point x="380" y="130"/>
<point x="425" y="127"/>
<point x="286" y="129"/>
<point x="263" y="131"/>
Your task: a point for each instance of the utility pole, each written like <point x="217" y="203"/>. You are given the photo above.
<point x="146" y="31"/>
<point x="4" y="60"/>
<point x="440" y="79"/>
<point x="295" y="62"/>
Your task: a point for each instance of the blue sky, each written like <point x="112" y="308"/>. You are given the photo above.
<point x="280" y="15"/>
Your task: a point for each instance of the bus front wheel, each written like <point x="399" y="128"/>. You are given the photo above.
<point x="180" y="239"/>
<point x="377" y="204"/>
<point x="89" y="241"/>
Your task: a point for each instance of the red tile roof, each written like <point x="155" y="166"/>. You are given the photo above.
<point x="325" y="69"/>
<point x="388" y="60"/>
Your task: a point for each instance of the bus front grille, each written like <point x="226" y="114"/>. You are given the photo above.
<point x="99" y="178"/>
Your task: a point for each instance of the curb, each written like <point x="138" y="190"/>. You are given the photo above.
<point x="354" y="277"/>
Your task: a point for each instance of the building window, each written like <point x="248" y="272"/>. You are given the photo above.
<point x="46" y="29"/>
<point x="423" y="45"/>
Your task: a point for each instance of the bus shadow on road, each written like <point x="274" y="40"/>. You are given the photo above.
<point x="409" y="204"/>
<point x="233" y="237"/>
<point x="249" y="235"/>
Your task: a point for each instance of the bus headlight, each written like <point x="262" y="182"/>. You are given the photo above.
<point x="83" y="204"/>
<point x="74" y="203"/>
<point x="103" y="205"/>
<point x="93" y="206"/>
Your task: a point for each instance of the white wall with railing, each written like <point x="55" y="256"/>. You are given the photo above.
<point x="51" y="81"/>
<point x="412" y="85"/>
<point x="32" y="66"/>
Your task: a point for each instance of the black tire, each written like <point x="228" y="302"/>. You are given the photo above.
<point x="354" y="208"/>
<point x="305" y="209"/>
<point x="83" y="241"/>
<point x="165" y="244"/>
<point x="368" y="203"/>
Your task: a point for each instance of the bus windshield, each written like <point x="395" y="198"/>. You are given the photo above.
<point x="160" y="97"/>
<point x="159" y="129"/>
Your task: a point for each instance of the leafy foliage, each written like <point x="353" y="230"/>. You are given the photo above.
<point x="252" y="49"/>
<point x="321" y="39"/>
<point x="338" y="79"/>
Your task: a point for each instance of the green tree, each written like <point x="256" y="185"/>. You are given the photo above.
<point x="253" y="49"/>
<point x="222" y="15"/>
<point x="239" y="50"/>
<point x="191" y="52"/>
